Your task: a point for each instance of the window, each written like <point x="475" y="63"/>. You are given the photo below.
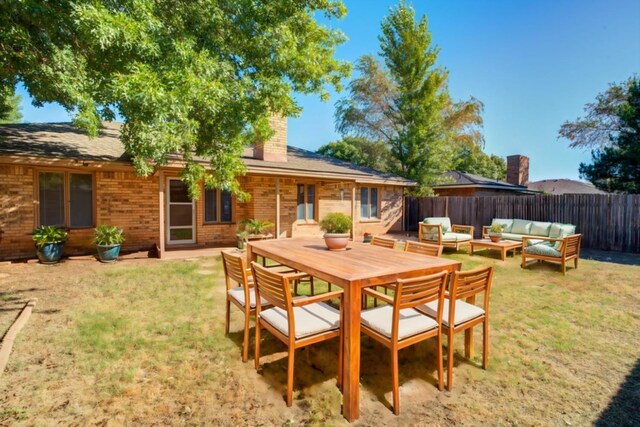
<point x="306" y="202"/>
<point x="65" y="199"/>
<point x="217" y="206"/>
<point x="368" y="203"/>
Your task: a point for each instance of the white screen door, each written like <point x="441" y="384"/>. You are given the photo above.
<point x="180" y="213"/>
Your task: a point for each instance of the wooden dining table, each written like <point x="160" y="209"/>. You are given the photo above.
<point x="359" y="266"/>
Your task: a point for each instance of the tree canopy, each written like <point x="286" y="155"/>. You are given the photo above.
<point x="359" y="151"/>
<point x="198" y="78"/>
<point x="404" y="104"/>
<point x="10" y="106"/>
<point x="616" y="167"/>
<point x="602" y="121"/>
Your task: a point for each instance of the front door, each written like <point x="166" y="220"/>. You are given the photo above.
<point x="181" y="213"/>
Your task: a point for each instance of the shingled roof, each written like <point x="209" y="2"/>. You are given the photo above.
<point x="62" y="140"/>
<point x="564" y="186"/>
<point x="460" y="179"/>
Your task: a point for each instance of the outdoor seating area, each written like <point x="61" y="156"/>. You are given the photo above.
<point x="440" y="231"/>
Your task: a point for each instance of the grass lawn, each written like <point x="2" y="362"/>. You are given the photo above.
<point x="142" y="342"/>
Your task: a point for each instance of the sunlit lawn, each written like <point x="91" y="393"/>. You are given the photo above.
<point x="143" y="343"/>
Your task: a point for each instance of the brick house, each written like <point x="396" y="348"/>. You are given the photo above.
<point x="467" y="185"/>
<point x="53" y="174"/>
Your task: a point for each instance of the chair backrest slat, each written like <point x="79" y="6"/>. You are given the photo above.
<point x="469" y="283"/>
<point x="234" y="268"/>
<point x="572" y="244"/>
<point x="421" y="290"/>
<point x="384" y="242"/>
<point x="272" y="286"/>
<point x="423" y="248"/>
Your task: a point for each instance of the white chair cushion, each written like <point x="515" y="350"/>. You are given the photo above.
<point x="456" y="237"/>
<point x="464" y="311"/>
<point x="411" y="322"/>
<point x="310" y="319"/>
<point x="238" y="295"/>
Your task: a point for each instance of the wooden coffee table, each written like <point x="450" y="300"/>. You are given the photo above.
<point x="503" y="246"/>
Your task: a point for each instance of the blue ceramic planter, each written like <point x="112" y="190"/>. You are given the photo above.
<point x="50" y="253"/>
<point x="108" y="253"/>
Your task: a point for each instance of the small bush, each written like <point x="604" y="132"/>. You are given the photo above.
<point x="336" y="222"/>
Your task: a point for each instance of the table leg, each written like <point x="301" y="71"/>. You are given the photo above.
<point x="250" y="256"/>
<point x="351" y="363"/>
<point x="468" y="334"/>
<point x="471" y="253"/>
<point x="503" y="252"/>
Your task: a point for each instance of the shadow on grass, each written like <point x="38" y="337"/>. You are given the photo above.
<point x="623" y="408"/>
<point x="623" y="258"/>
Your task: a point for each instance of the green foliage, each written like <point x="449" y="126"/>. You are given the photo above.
<point x="359" y="151"/>
<point x="336" y="222"/>
<point x="254" y="226"/>
<point x="469" y="157"/>
<point x="195" y="78"/>
<point x="405" y="104"/>
<point x="603" y="121"/>
<point x="496" y="228"/>
<point x="108" y="235"/>
<point x="617" y="167"/>
<point x="9" y="106"/>
<point x="46" y="234"/>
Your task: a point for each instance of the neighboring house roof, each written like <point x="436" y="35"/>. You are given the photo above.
<point x="62" y="140"/>
<point x="467" y="180"/>
<point x="564" y="186"/>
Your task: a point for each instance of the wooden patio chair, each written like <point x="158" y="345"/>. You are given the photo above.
<point x="423" y="248"/>
<point x="399" y="325"/>
<point x="296" y="322"/>
<point x="562" y="250"/>
<point x="240" y="289"/>
<point x="440" y="231"/>
<point x="384" y="242"/>
<point x="463" y="316"/>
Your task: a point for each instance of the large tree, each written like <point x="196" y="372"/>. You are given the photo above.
<point x="199" y="78"/>
<point x="602" y="121"/>
<point x="616" y="167"/>
<point x="405" y="104"/>
<point x="359" y="151"/>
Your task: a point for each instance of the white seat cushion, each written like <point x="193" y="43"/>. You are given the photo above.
<point x="309" y="319"/>
<point x="464" y="311"/>
<point x="456" y="237"/>
<point x="411" y="322"/>
<point x="238" y="295"/>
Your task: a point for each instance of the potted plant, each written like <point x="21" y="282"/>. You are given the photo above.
<point x="49" y="240"/>
<point x="495" y="232"/>
<point x="252" y="229"/>
<point x="242" y="237"/>
<point x="108" y="239"/>
<point x="336" y="226"/>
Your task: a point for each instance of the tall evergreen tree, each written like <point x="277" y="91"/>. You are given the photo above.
<point x="616" y="167"/>
<point x="10" y="107"/>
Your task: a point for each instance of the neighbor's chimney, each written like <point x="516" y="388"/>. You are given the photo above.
<point x="518" y="170"/>
<point x="274" y="149"/>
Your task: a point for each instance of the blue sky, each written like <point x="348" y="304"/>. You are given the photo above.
<point x="534" y="64"/>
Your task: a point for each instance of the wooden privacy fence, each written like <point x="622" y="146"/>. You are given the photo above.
<point x="607" y="222"/>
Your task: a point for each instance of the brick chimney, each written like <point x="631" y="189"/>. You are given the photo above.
<point x="518" y="170"/>
<point x="274" y="149"/>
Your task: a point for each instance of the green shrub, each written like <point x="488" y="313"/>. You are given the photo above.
<point x="336" y="222"/>
<point x="108" y="235"/>
<point x="46" y="234"/>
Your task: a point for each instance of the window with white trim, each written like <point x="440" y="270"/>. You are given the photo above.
<point x="65" y="199"/>
<point x="369" y="202"/>
<point x="306" y="210"/>
<point x="218" y="206"/>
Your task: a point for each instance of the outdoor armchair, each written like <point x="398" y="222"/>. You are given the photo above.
<point x="439" y="231"/>
<point x="296" y="322"/>
<point x="558" y="250"/>
<point x="463" y="316"/>
<point x="398" y="324"/>
<point x="423" y="248"/>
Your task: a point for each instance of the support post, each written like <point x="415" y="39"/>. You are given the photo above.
<point x="277" y="207"/>
<point x="161" y="214"/>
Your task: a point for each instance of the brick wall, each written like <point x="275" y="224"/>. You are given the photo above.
<point x="17" y="211"/>
<point x="274" y="149"/>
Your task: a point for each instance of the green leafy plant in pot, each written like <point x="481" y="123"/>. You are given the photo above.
<point x="495" y="232"/>
<point x="336" y="226"/>
<point x="252" y="228"/>
<point x="108" y="240"/>
<point x="49" y="240"/>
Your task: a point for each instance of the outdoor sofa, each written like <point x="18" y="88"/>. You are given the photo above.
<point x="439" y="231"/>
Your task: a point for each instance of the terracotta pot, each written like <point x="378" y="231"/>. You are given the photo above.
<point x="336" y="242"/>
<point x="495" y="238"/>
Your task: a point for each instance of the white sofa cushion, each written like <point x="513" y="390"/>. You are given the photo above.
<point x="411" y="322"/>
<point x="463" y="313"/>
<point x="540" y="228"/>
<point x="309" y="319"/>
<point x="521" y="226"/>
<point x="444" y="221"/>
<point x="456" y="237"/>
<point x="238" y="295"/>
<point x="505" y="223"/>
